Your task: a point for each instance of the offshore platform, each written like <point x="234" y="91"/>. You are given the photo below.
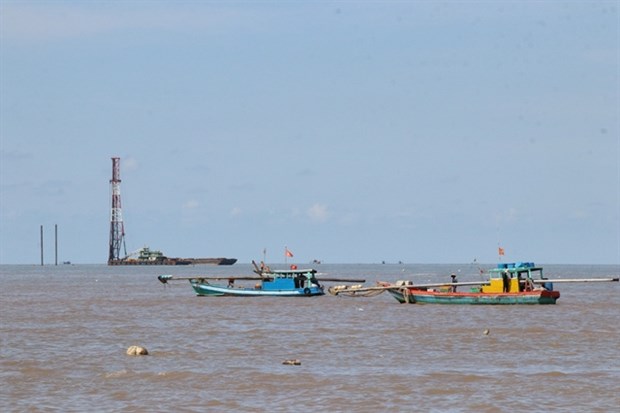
<point x="143" y="256"/>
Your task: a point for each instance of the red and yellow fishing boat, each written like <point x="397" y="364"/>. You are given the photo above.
<point x="512" y="283"/>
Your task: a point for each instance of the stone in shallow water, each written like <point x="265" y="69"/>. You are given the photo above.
<point x="137" y="351"/>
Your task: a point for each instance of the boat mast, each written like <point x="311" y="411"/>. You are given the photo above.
<point x="117" y="229"/>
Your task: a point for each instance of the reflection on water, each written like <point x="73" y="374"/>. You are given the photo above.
<point x="65" y="331"/>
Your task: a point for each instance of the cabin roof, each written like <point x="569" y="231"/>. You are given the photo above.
<point x="515" y="268"/>
<point x="306" y="271"/>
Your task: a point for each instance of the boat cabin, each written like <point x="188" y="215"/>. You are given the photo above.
<point x="514" y="277"/>
<point x="291" y="280"/>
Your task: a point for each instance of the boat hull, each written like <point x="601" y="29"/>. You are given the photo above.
<point x="175" y="261"/>
<point x="212" y="261"/>
<point x="205" y="289"/>
<point x="414" y="296"/>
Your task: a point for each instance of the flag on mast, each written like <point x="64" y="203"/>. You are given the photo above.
<point x="500" y="251"/>
<point x="287" y="253"/>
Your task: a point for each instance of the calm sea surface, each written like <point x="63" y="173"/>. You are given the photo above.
<point x="65" y="329"/>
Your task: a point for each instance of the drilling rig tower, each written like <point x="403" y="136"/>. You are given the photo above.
<point x="117" y="229"/>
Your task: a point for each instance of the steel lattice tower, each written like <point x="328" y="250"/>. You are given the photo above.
<point x="117" y="229"/>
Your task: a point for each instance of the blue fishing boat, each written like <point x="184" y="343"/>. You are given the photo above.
<point x="268" y="283"/>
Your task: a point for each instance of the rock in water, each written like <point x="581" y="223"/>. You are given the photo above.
<point x="137" y="351"/>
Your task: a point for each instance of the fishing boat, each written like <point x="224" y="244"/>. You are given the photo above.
<point x="510" y="283"/>
<point x="268" y="283"/>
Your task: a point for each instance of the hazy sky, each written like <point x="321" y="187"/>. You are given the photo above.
<point x="350" y="132"/>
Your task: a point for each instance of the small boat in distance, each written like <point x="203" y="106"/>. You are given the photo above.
<point x="273" y="283"/>
<point x="513" y="283"/>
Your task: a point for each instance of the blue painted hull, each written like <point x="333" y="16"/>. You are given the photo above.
<point x="206" y="289"/>
<point x="413" y="296"/>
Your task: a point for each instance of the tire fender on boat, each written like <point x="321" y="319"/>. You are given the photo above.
<point x="306" y="291"/>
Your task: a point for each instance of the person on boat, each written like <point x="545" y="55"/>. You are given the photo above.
<point x="231" y="282"/>
<point x="314" y="281"/>
<point x="506" y="280"/>
<point x="454" y="281"/>
<point x="264" y="268"/>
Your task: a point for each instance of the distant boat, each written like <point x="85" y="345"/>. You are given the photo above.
<point x="147" y="256"/>
<point x="269" y="283"/>
<point x="514" y="283"/>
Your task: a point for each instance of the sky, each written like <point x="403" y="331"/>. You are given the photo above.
<point x="345" y="131"/>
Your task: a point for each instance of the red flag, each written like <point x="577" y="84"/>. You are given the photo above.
<point x="500" y="251"/>
<point x="287" y="252"/>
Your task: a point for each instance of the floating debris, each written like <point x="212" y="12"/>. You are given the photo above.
<point x="293" y="362"/>
<point x="357" y="290"/>
<point x="486" y="332"/>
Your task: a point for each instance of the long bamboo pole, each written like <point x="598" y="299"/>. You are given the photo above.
<point x="165" y="278"/>
<point x="576" y="280"/>
<point x="399" y="286"/>
<point x="448" y="284"/>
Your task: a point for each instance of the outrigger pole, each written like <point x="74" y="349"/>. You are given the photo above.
<point x="343" y="289"/>
<point x="380" y="288"/>
<point x="165" y="278"/>
<point x="576" y="280"/>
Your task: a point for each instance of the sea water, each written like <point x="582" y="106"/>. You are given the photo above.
<point x="65" y="330"/>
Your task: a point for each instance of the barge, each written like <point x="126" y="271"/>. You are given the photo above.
<point x="146" y="256"/>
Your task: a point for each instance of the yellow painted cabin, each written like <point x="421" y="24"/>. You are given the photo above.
<point x="516" y="276"/>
